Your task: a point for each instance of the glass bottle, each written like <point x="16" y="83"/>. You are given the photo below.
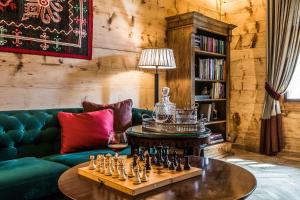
<point x="164" y="111"/>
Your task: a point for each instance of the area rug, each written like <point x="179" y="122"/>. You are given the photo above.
<point x="47" y="27"/>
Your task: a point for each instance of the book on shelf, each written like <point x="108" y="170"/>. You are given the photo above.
<point x="210" y="44"/>
<point x="217" y="91"/>
<point x="212" y="69"/>
<point x="201" y="97"/>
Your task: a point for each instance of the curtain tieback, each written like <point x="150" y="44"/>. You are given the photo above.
<point x="275" y="95"/>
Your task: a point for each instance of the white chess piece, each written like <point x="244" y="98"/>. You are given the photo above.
<point x="98" y="163"/>
<point x="137" y="179"/>
<point x="92" y="165"/>
<point x="108" y="165"/>
<point x="116" y="171"/>
<point x="122" y="176"/>
<point x="131" y="172"/>
<point x="144" y="176"/>
<point x="102" y="167"/>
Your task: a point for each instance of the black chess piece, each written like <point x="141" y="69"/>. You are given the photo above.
<point x="141" y="154"/>
<point x="153" y="156"/>
<point x="175" y="157"/>
<point x="148" y="164"/>
<point x="166" y="157"/>
<point x="159" y="157"/>
<point x="187" y="165"/>
<point x="172" y="166"/>
<point x="135" y="158"/>
<point x="178" y="167"/>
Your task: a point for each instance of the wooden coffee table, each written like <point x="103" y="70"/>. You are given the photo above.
<point x="219" y="180"/>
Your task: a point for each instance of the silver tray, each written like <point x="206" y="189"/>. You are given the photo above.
<point x="150" y="125"/>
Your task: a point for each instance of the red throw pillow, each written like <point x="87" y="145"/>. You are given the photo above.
<point x="83" y="131"/>
<point x="122" y="112"/>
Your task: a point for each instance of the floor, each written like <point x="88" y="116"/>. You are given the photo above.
<point x="277" y="178"/>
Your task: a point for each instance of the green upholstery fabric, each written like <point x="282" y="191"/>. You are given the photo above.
<point x="73" y="159"/>
<point x="36" y="133"/>
<point x="29" y="178"/>
<point x="30" y="133"/>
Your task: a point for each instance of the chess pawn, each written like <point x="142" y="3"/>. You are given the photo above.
<point x="178" y="167"/>
<point x="116" y="171"/>
<point x="144" y="176"/>
<point x="102" y="167"/>
<point x="108" y="165"/>
<point x="148" y="164"/>
<point x="98" y="163"/>
<point x="92" y="165"/>
<point x="122" y="176"/>
<point x="175" y="157"/>
<point x="186" y="163"/>
<point x="172" y="165"/>
<point x="137" y="178"/>
<point x="153" y="156"/>
<point x="131" y="172"/>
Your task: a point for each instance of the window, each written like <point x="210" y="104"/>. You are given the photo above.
<point x="293" y="92"/>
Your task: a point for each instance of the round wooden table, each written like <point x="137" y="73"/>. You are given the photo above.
<point x="219" y="180"/>
<point x="189" y="142"/>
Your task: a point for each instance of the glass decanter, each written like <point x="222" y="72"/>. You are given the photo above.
<point x="164" y="111"/>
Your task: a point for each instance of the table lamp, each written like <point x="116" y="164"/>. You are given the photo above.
<point x="157" y="58"/>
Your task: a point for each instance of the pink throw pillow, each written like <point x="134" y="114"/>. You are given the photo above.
<point x="83" y="131"/>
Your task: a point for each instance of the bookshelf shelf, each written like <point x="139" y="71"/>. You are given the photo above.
<point x="216" y="122"/>
<point x="209" y="100"/>
<point x="201" y="48"/>
<point x="213" y="81"/>
<point x="207" y="53"/>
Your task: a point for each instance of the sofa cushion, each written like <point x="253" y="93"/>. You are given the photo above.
<point x="29" y="178"/>
<point x="85" y="131"/>
<point x="73" y="159"/>
<point x="122" y="112"/>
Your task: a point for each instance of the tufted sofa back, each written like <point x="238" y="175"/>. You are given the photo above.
<point x="35" y="133"/>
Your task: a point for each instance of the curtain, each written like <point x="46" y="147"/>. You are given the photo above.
<point x="283" y="46"/>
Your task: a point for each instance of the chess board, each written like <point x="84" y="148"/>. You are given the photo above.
<point x="157" y="178"/>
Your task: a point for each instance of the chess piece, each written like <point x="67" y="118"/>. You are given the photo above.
<point x="175" y="157"/>
<point x="144" y="176"/>
<point x="166" y="157"/>
<point x="159" y="157"/>
<point x="92" y="165"/>
<point x="172" y="165"/>
<point x="116" y="171"/>
<point x="122" y="176"/>
<point x="131" y="172"/>
<point x="135" y="160"/>
<point x="102" y="164"/>
<point x="108" y="165"/>
<point x="148" y="164"/>
<point x="187" y="165"/>
<point x="153" y="156"/>
<point x="141" y="154"/>
<point x="178" y="167"/>
<point x="137" y="178"/>
<point x="98" y="163"/>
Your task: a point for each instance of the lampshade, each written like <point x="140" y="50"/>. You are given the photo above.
<point x="161" y="58"/>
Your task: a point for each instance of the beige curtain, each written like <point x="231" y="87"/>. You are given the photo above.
<point x="283" y="46"/>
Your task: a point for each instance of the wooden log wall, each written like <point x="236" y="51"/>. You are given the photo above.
<point x="121" y="29"/>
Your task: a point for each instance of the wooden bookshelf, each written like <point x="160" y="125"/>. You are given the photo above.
<point x="183" y="33"/>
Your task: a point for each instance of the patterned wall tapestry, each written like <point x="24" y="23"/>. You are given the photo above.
<point x="47" y="27"/>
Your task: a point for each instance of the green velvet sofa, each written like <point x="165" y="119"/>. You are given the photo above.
<point x="30" y="163"/>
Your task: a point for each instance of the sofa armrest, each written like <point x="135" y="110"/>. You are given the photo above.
<point x="137" y="115"/>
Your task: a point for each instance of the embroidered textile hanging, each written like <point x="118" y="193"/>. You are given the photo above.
<point x="47" y="27"/>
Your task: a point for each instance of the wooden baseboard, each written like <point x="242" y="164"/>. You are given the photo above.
<point x="218" y="150"/>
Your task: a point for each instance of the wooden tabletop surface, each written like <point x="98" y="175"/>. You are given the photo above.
<point x="219" y="180"/>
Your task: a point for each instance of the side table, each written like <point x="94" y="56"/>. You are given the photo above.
<point x="186" y="141"/>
